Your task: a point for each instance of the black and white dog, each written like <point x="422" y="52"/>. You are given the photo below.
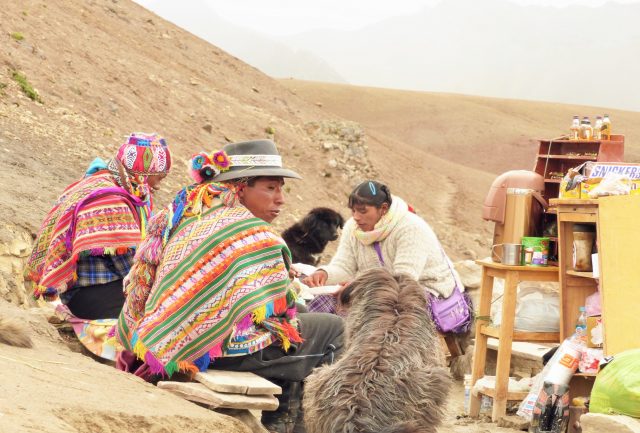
<point x="310" y="236"/>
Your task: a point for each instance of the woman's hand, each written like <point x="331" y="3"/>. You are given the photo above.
<point x="318" y="278"/>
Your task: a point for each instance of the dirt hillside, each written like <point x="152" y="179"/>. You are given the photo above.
<point x="76" y="77"/>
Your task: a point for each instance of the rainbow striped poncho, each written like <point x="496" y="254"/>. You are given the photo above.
<point x="218" y="287"/>
<point x="92" y="216"/>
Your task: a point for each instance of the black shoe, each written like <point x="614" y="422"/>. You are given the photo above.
<point x="299" y="426"/>
<point x="277" y="422"/>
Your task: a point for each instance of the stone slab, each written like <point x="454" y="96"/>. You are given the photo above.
<point x="199" y="393"/>
<point x="598" y="423"/>
<point x="523" y="349"/>
<point x="237" y="382"/>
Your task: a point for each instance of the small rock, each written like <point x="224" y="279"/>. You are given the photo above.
<point x="208" y="127"/>
<point x="19" y="248"/>
<point x="327" y="146"/>
<point x="470" y="273"/>
<point x="319" y="104"/>
<point x="255" y="89"/>
<point x="471" y="254"/>
<point x="333" y="163"/>
<point x="598" y="422"/>
<point x="514" y="421"/>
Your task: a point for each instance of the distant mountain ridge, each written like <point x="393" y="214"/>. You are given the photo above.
<point x="577" y="55"/>
<point x="496" y="48"/>
<point x="272" y="57"/>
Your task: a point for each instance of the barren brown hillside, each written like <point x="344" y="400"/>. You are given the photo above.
<point x="102" y="69"/>
<point x="489" y="134"/>
<point x="105" y="68"/>
<point x="453" y="146"/>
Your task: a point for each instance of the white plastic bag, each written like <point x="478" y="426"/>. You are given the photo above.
<point x="514" y="385"/>
<point x="556" y="370"/>
<point x="537" y="310"/>
<point x="613" y="184"/>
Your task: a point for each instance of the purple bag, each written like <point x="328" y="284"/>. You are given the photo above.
<point x="452" y="314"/>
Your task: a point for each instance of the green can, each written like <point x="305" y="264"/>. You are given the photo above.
<point x="535" y="251"/>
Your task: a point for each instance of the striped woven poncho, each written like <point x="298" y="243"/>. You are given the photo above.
<point x="218" y="286"/>
<point x="92" y="216"/>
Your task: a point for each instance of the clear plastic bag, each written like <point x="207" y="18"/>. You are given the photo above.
<point x="593" y="304"/>
<point x="613" y="184"/>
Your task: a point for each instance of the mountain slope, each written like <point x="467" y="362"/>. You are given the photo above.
<point x="489" y="134"/>
<point x="577" y="54"/>
<point x="271" y="56"/>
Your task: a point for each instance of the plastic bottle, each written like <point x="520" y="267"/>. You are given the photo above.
<point x="574" y="130"/>
<point x="586" y="131"/>
<point x="605" y="131"/>
<point x="467" y="392"/>
<point x="486" y="405"/>
<point x="581" y="324"/>
<point x="597" y="128"/>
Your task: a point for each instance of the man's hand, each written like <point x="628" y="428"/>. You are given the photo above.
<point x="293" y="273"/>
<point x="318" y="278"/>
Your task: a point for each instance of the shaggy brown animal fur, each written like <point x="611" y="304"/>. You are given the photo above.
<point x="14" y="334"/>
<point x="391" y="376"/>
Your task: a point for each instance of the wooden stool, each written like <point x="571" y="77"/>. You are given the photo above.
<point x="512" y="275"/>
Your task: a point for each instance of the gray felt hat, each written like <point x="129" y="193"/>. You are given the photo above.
<point x="254" y="158"/>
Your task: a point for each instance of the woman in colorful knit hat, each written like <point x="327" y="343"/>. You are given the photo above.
<point x="210" y="285"/>
<point x="86" y="243"/>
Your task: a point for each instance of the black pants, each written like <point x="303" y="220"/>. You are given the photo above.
<point x="102" y="301"/>
<point x="322" y="335"/>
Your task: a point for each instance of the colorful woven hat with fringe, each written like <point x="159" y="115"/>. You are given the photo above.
<point x="145" y="154"/>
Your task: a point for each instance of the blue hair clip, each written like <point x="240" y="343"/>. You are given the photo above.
<point x="372" y="187"/>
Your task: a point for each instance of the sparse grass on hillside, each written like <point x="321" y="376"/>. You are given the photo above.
<point x="26" y="87"/>
<point x="17" y="36"/>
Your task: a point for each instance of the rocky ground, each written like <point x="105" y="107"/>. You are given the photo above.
<point x="77" y="76"/>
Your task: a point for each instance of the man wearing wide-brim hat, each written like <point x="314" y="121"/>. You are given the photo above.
<point x="210" y="286"/>
<point x="256" y="171"/>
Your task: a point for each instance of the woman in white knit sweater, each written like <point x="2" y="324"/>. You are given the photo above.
<point x="385" y="232"/>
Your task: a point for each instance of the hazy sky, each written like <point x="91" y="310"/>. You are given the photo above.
<point x="282" y="17"/>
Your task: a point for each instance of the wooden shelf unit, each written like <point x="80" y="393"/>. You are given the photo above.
<point x="615" y="220"/>
<point x="556" y="156"/>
